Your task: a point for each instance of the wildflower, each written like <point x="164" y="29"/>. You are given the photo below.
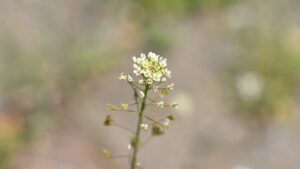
<point x="144" y="127"/>
<point x="151" y="70"/>
<point x="152" y="67"/>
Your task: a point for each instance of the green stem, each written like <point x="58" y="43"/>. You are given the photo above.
<point x="136" y="138"/>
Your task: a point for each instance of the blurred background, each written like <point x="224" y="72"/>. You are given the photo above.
<point x="235" y="65"/>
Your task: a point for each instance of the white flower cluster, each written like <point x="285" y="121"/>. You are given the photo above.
<point x="151" y="67"/>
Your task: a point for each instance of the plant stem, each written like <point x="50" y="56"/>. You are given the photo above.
<point x="136" y="138"/>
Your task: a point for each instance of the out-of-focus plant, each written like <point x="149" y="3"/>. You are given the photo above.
<point x="35" y="86"/>
<point x="157" y="18"/>
<point x="264" y="77"/>
<point x="265" y="80"/>
<point x="152" y="73"/>
<point x="10" y="138"/>
<point x="172" y="8"/>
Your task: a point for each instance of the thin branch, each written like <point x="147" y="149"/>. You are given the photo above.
<point x="133" y="103"/>
<point x="152" y="100"/>
<point x="134" y="85"/>
<point x="165" y="105"/>
<point x="153" y="120"/>
<point x="123" y="127"/>
<point x="138" y="130"/>
<point x="145" y="142"/>
<point x="120" y="156"/>
<point x="165" y="117"/>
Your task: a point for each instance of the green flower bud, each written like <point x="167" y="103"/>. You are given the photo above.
<point x="124" y="106"/>
<point x="164" y="92"/>
<point x="111" y="107"/>
<point x="106" y="153"/>
<point x="134" y="141"/>
<point x="157" y="130"/>
<point x="171" y="117"/>
<point x="108" y="121"/>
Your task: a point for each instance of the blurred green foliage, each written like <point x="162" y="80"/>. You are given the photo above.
<point x="11" y="140"/>
<point x="156" y="16"/>
<point x="36" y="85"/>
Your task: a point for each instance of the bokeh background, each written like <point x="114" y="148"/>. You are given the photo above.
<point x="235" y="65"/>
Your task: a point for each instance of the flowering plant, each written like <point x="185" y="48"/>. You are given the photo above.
<point x="151" y="73"/>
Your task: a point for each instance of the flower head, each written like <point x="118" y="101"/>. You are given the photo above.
<point x="151" y="67"/>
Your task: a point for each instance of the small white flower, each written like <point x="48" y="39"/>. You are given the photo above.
<point x="155" y="89"/>
<point x="123" y="76"/>
<point x="143" y="56"/>
<point x="151" y="66"/>
<point x="171" y="86"/>
<point x="144" y="127"/>
<point x="147" y="73"/>
<point x="168" y="73"/>
<point x="129" y="78"/>
<point x="156" y="77"/>
<point x="160" y="104"/>
<point x="134" y="59"/>
<point x="142" y="94"/>
<point x="167" y="123"/>
<point x="149" y="81"/>
<point x="137" y="72"/>
<point x="141" y="81"/>
<point x="135" y="66"/>
<point x="129" y="146"/>
<point x="163" y="63"/>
